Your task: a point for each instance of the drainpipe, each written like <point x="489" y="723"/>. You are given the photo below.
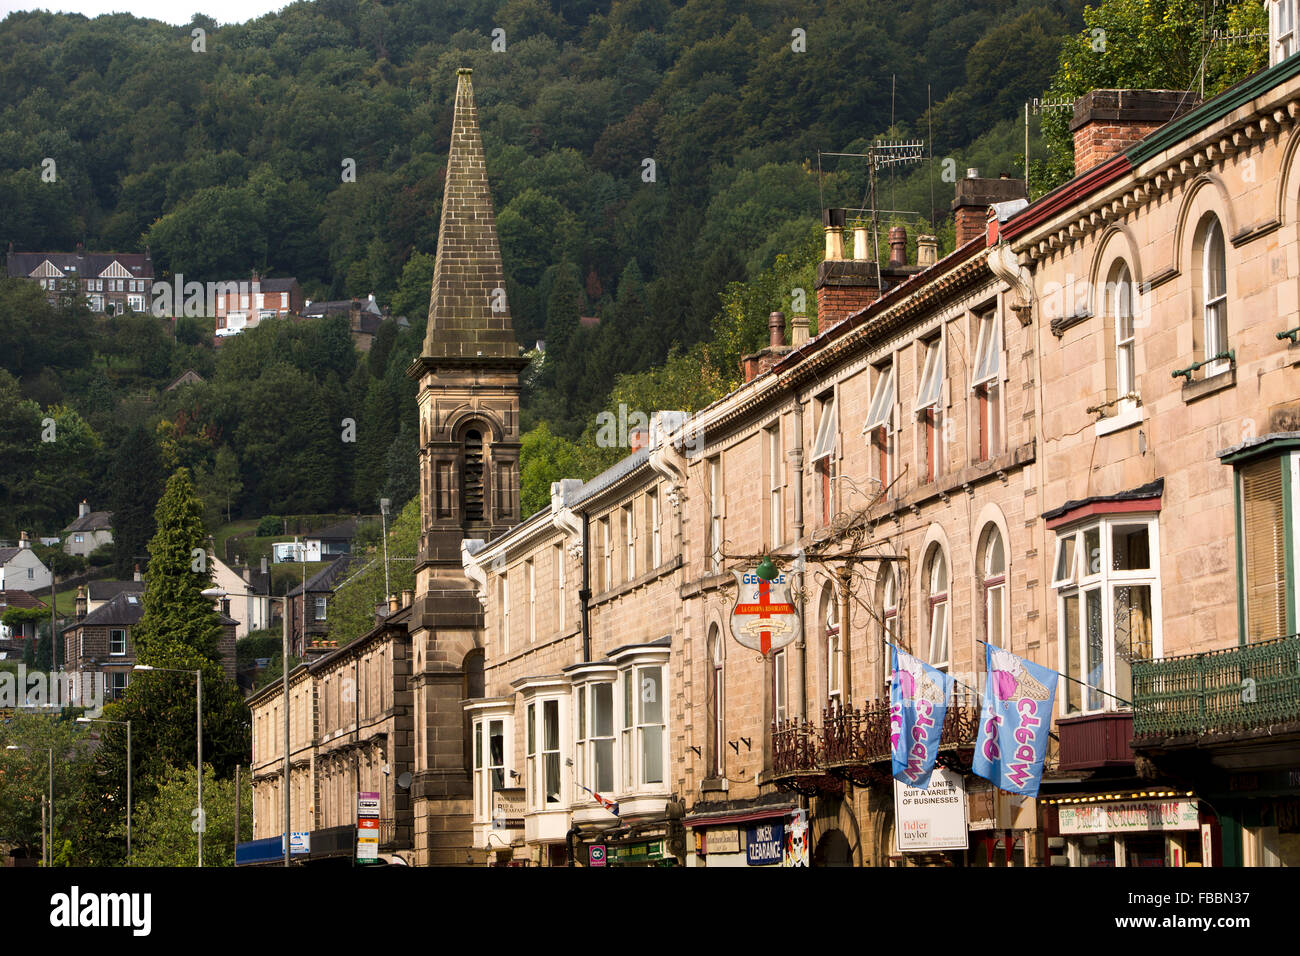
<point x="585" y="594"/>
<point x="796" y="455"/>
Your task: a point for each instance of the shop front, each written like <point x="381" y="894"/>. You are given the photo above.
<point x="1136" y="829"/>
<point x="774" y="835"/>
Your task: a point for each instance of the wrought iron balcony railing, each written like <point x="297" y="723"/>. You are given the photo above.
<point x="1230" y="691"/>
<point x="794" y="748"/>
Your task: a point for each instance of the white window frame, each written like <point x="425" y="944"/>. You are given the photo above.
<point x="823" y="453"/>
<point x="112" y="643"/>
<point x="530" y="570"/>
<point x="607" y="564"/>
<point x="588" y="736"/>
<point x="775" y="484"/>
<point x="715" y="513"/>
<point x="1119" y="291"/>
<point x="560" y="583"/>
<point x="929" y="397"/>
<point x="1282" y="30"/>
<point x="540" y="759"/>
<point x="938" y="641"/>
<point x="834" y="649"/>
<point x="629" y="541"/>
<point x="1215" y="306"/>
<point x="991" y="582"/>
<point x="322" y="608"/>
<point x="718" y="699"/>
<point x="780" y="688"/>
<point x="1095" y="574"/>
<point x="503" y="595"/>
<point x="656" y="547"/>
<point x="483" y="761"/>
<point x="880" y="418"/>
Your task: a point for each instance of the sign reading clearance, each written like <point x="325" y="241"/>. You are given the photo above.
<point x="1130" y="815"/>
<point x="764" y="617"/>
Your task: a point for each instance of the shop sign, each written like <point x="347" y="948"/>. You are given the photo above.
<point x="367" y="805"/>
<point x="723" y="840"/>
<point x="508" y="808"/>
<point x="933" y="819"/>
<point x="796" y="839"/>
<point x="596" y="854"/>
<point x="765" y="844"/>
<point x="637" y="852"/>
<point x="764" y="617"/>
<point x="1130" y="816"/>
<point x="367" y="840"/>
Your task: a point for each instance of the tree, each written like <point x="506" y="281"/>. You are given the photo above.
<point x="24" y="776"/>
<point x="545" y="458"/>
<point x="1146" y="44"/>
<point x="225" y="477"/>
<point x="135" y="482"/>
<point x="164" y="831"/>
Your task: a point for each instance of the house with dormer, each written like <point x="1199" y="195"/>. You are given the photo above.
<point x="108" y="282"/>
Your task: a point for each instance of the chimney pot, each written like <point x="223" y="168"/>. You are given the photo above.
<point x="860" y="252"/>
<point x="394" y="603"/>
<point x="927" y="250"/>
<point x="799" y="330"/>
<point x="83" y="509"/>
<point x="898" y="246"/>
<point x="408" y="597"/>
<point x="972" y="172"/>
<point x="137" y="576"/>
<point x="776" y="330"/>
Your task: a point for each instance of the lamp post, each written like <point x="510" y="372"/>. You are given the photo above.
<point x="47" y="845"/>
<point x="383" y="518"/>
<point x="198" y="688"/>
<point x="127" y="725"/>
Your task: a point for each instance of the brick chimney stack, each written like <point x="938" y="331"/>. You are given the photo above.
<point x="844" y="286"/>
<point x="81" y="602"/>
<point x="1107" y="122"/>
<point x="975" y="195"/>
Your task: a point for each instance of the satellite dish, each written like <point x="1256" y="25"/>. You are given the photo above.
<point x="404" y="781"/>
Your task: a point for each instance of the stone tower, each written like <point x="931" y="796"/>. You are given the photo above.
<point x="468" y="374"/>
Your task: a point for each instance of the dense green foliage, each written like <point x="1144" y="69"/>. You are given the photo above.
<point x="247" y="143"/>
<point x="164" y="822"/>
<point x="352" y="609"/>
<point x="1148" y="44"/>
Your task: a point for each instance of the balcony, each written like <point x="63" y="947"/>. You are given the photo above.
<point x="1244" y="691"/>
<point x="1095" y="741"/>
<point x="853" y="744"/>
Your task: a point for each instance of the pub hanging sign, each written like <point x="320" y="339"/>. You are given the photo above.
<point x="764" y="617"/>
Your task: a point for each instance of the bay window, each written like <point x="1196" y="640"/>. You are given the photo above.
<point x="594" y="731"/>
<point x="643" y="733"/>
<point x="542" y="751"/>
<point x="1108" y="595"/>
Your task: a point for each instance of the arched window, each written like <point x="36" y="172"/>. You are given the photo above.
<point x="993" y="584"/>
<point x="936" y="608"/>
<point x="717" y="704"/>
<point x="1214" y="292"/>
<point x="473" y="496"/>
<point x="834" y="650"/>
<point x="1119" y="290"/>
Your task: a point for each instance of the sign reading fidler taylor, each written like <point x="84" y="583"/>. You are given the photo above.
<point x="933" y="819"/>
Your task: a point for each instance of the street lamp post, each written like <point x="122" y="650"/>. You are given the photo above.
<point x="47" y="845"/>
<point x="198" y="689"/>
<point x="127" y="725"/>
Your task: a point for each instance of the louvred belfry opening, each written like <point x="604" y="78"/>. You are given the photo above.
<point x="473" y="476"/>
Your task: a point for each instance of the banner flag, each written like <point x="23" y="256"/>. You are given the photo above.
<point x="1014" y="722"/>
<point x="918" y="700"/>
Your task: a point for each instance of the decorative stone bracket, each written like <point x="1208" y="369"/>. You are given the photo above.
<point x="1004" y="264"/>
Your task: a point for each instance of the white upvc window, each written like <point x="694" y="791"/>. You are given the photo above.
<point x="1107" y="579"/>
<point x="823" y="454"/>
<point x="594" y="760"/>
<point x="542" y="736"/>
<point x="928" y="409"/>
<point x="937" y="607"/>
<point x="775" y="486"/>
<point x="1214" y="284"/>
<point x="530" y="572"/>
<point x="607" y="550"/>
<point x="780" y="693"/>
<point x="650" y="724"/>
<point x="117" y="642"/>
<point x="321" y="608"/>
<point x="1282" y="30"/>
<point x="629" y="542"/>
<point x="503" y="602"/>
<point x="492" y="733"/>
<point x="558" y="558"/>
<point x="834" y="649"/>
<point x="656" y="547"/>
<point x="715" y="513"/>
<point x="986" y="383"/>
<point x="1120" y="293"/>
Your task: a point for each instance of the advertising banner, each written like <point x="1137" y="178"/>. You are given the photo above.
<point x="933" y="819"/>
<point x="1014" y="722"/>
<point x="918" y="701"/>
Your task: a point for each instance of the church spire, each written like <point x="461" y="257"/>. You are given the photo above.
<point x="469" y="317"/>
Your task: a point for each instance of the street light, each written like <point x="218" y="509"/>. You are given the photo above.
<point x="127" y="725"/>
<point x="47" y="847"/>
<point x="198" y="687"/>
